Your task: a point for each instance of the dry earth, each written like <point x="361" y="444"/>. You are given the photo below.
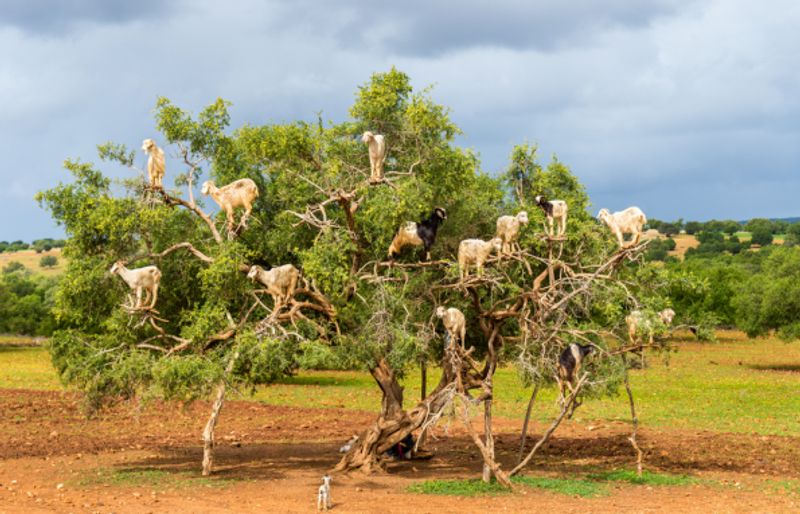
<point x="271" y="458"/>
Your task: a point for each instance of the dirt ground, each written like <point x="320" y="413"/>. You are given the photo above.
<point x="270" y="459"/>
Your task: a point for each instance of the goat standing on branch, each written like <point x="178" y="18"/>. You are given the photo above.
<point x="156" y="165"/>
<point x="630" y="221"/>
<point x="475" y="252"/>
<point x="377" y="155"/>
<point x="553" y="210"/>
<point x="280" y="281"/>
<point x="569" y="367"/>
<point x="140" y="280"/>
<point x="508" y="228"/>
<point x="239" y="193"/>
<point x="416" y="234"/>
<point x="454" y="322"/>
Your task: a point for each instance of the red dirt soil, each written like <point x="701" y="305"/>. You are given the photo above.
<point x="271" y="459"/>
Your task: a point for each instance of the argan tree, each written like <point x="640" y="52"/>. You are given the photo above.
<point x="318" y="211"/>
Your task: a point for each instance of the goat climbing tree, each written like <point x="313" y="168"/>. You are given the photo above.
<point x="318" y="210"/>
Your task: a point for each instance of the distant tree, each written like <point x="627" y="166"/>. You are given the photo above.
<point x="48" y="261"/>
<point x="780" y="226"/>
<point x="759" y="223"/>
<point x="669" y="229"/>
<point x="731" y="227"/>
<point x="710" y="237"/>
<point x="770" y="298"/>
<point x="761" y="235"/>
<point x="692" y="227"/>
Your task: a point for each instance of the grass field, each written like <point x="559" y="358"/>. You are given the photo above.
<point x="30" y="259"/>
<point x="735" y="385"/>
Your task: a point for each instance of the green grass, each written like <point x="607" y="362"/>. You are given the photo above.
<point x="149" y="478"/>
<point x="26" y="367"/>
<point x="647" y="478"/>
<point x="735" y="385"/>
<point x="567" y="486"/>
<point x="30" y="259"/>
<point x="788" y="486"/>
<point x="591" y="486"/>
<point x="470" y="487"/>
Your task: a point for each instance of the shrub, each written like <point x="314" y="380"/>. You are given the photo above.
<point x="13" y="266"/>
<point x="48" y="261"/>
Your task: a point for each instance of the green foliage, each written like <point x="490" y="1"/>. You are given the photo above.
<point x="25" y="302"/>
<point x="657" y="249"/>
<point x="48" y="261"/>
<point x="761" y="235"/>
<point x="13" y="246"/>
<point x="13" y="267"/>
<point x="769" y="299"/>
<point x="692" y="227"/>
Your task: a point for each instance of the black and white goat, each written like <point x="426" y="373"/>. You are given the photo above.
<point x="553" y="210"/>
<point x="569" y="367"/>
<point x="418" y="234"/>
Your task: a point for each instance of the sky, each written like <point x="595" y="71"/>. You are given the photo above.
<point x="687" y="108"/>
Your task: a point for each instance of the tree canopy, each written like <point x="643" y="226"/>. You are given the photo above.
<point x="353" y="309"/>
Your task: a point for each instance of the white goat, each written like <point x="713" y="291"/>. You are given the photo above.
<point x="140" y="280"/>
<point x="324" y="500"/>
<point x="636" y="320"/>
<point x="454" y="322"/>
<point x="475" y="252"/>
<point x="155" y="163"/>
<point x="554" y="210"/>
<point x="346" y="447"/>
<point x="377" y="154"/>
<point x="508" y="228"/>
<point x="239" y="193"/>
<point x="629" y="221"/>
<point x="281" y="281"/>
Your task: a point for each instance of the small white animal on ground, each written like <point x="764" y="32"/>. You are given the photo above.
<point x="324" y="500"/>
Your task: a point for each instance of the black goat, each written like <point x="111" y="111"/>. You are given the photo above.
<point x="569" y="366"/>
<point x="416" y="234"/>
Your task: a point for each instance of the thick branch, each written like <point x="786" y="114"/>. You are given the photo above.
<point x="173" y="200"/>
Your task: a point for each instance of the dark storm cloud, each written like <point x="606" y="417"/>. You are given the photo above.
<point x="430" y="28"/>
<point x="59" y="16"/>
<point x="685" y="108"/>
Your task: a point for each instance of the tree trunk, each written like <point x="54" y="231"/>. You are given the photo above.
<point x="208" y="432"/>
<point x="524" y="435"/>
<point x="393" y="423"/>
<point x="216" y="407"/>
<point x="488" y="436"/>
<point x="634" y="420"/>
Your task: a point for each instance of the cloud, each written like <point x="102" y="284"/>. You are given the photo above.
<point x="646" y="102"/>
<point x="54" y="17"/>
<point x="428" y="29"/>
